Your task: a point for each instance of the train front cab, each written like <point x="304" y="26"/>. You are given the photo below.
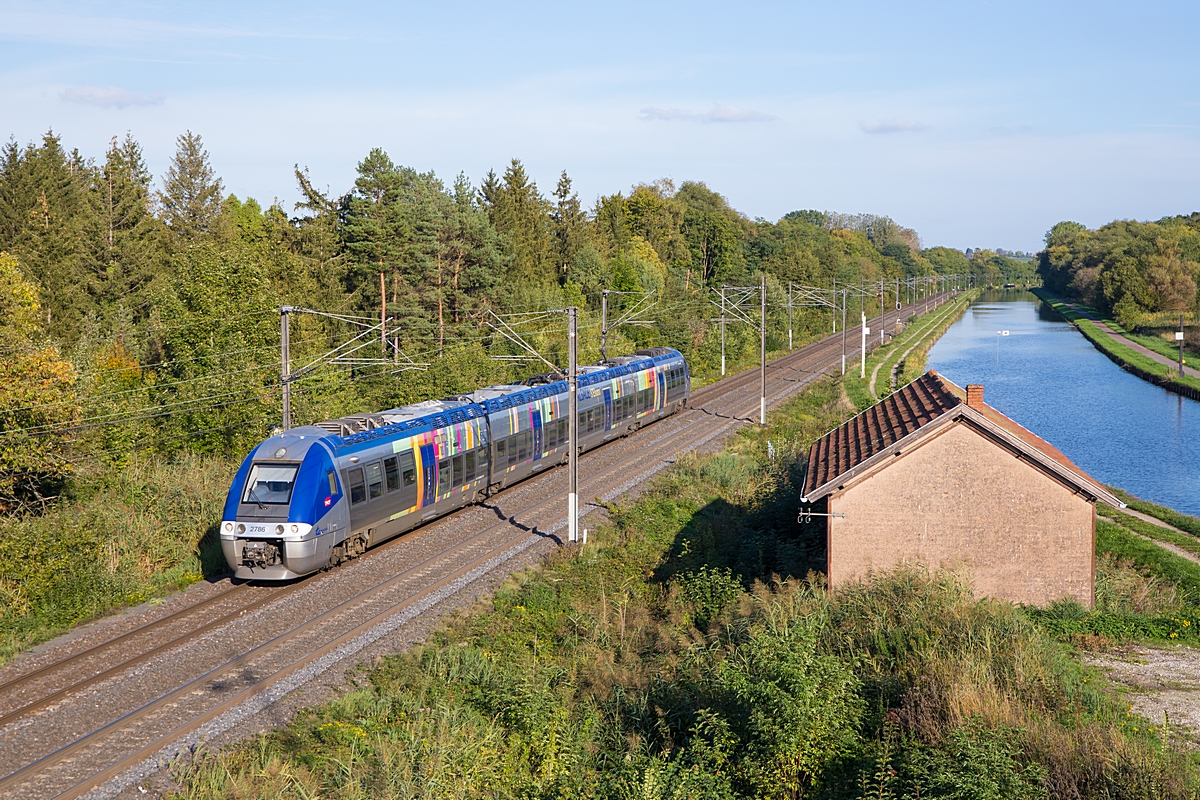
<point x="285" y="511"/>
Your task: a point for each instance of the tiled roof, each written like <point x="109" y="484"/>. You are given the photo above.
<point x="913" y="409"/>
<point x="899" y="414"/>
<point x="1024" y="434"/>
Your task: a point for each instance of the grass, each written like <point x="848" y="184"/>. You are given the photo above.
<point x="669" y="659"/>
<point x="131" y="536"/>
<point x="1159" y="373"/>
<point x="1148" y="529"/>
<point x="1170" y="516"/>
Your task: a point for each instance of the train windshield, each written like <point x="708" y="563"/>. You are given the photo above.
<point x="270" y="484"/>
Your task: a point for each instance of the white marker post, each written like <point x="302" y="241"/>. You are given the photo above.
<point x="862" y="370"/>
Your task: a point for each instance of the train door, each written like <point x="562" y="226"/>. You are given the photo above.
<point x="608" y="409"/>
<point x="538" y="437"/>
<point x="429" y="473"/>
<point x="662" y="388"/>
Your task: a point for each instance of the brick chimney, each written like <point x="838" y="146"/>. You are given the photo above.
<point x="975" y="395"/>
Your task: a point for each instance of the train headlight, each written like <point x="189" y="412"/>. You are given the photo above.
<point x="241" y="529"/>
<point x="228" y="527"/>
<point x="279" y="529"/>
<point x="295" y="529"/>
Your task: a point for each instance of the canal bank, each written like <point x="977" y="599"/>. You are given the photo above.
<point x="1039" y="370"/>
<point x="1135" y="358"/>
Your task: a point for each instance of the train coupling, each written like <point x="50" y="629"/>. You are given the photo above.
<point x="259" y="555"/>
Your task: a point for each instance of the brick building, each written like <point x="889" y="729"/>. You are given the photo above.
<point x="933" y="475"/>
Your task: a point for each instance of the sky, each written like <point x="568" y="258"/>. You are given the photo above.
<point x="979" y="124"/>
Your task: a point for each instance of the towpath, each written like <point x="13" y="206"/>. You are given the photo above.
<point x="1132" y="345"/>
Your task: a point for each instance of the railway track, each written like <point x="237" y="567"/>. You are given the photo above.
<point x="211" y="697"/>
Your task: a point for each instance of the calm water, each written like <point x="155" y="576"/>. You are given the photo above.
<point x="1046" y="376"/>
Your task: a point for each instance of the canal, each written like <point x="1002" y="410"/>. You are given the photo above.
<point x="1124" y="431"/>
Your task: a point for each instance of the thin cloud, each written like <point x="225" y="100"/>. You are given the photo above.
<point x="892" y="126"/>
<point x="111" y="97"/>
<point x="719" y="113"/>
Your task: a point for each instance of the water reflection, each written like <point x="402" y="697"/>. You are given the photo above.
<point x="1045" y="375"/>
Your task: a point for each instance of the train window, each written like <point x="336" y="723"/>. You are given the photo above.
<point x="470" y="466"/>
<point x="409" y="469"/>
<point x="374" y="480"/>
<point x="512" y="449"/>
<point x="391" y="470"/>
<point x="501" y="458"/>
<point x="332" y="483"/>
<point x="458" y="469"/>
<point x="444" y="476"/>
<point x="358" y="486"/>
<point x="270" y="483"/>
<point x="523" y="445"/>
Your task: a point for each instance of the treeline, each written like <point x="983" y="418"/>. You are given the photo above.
<point x="143" y="317"/>
<point x="1136" y="272"/>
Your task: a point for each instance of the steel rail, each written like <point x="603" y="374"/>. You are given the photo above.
<point x="731" y="383"/>
<point x="814" y="352"/>
<point x="604" y="478"/>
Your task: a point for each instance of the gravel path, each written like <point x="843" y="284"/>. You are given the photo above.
<point x="1163" y="684"/>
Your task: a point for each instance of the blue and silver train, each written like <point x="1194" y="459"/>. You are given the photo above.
<point x="318" y="495"/>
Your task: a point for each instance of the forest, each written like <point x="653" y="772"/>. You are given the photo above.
<point x="1138" y="273"/>
<point x="140" y="318"/>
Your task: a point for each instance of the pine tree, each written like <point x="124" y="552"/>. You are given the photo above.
<point x="44" y="207"/>
<point x="569" y="224"/>
<point x="122" y="231"/>
<point x="190" y="201"/>
<point x="519" y="211"/>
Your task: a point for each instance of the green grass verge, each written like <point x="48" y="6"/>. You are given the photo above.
<point x="1148" y="529"/>
<point x="131" y="536"/>
<point x="667" y="659"/>
<point x="1159" y="373"/>
<point x="1183" y="522"/>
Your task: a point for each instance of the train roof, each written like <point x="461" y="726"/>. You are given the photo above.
<point x="356" y="429"/>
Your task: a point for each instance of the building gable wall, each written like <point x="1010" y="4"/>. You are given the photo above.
<point x="959" y="500"/>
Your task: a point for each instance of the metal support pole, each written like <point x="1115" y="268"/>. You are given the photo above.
<point x="835" y="305"/>
<point x="286" y="362"/>
<point x="604" y="325"/>
<point x="722" y="330"/>
<point x="862" y="370"/>
<point x="762" y="354"/>
<point x="790" y="348"/>
<point x="572" y="428"/>
<point x="382" y="317"/>
<point x="844" y="331"/>
<point x="882" y="310"/>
